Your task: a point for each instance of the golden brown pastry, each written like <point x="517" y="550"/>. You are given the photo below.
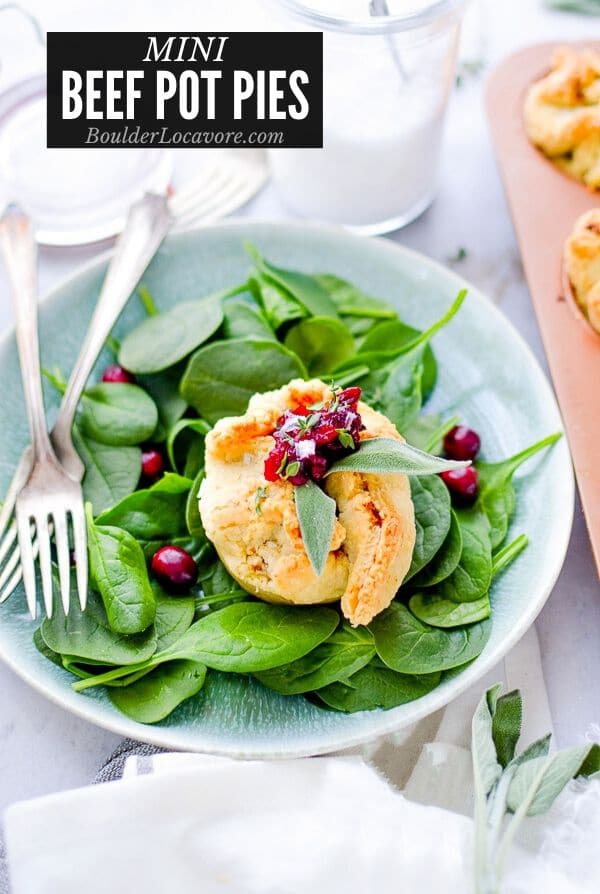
<point x="562" y="114"/>
<point x="254" y="527"/>
<point x="582" y="264"/>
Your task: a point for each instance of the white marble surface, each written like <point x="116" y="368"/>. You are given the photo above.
<point x="42" y="748"/>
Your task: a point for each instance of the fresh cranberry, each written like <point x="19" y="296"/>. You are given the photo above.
<point x="463" y="484"/>
<point x="116" y="373"/>
<point x="462" y="443"/>
<point x="309" y="439"/>
<point x="153" y="463"/>
<point x="174" y="569"/>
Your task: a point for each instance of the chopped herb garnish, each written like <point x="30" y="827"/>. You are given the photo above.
<point x="261" y="493"/>
<point x="346" y="439"/>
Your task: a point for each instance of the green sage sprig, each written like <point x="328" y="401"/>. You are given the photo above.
<point x="509" y="787"/>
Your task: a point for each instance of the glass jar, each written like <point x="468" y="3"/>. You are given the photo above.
<point x="388" y="69"/>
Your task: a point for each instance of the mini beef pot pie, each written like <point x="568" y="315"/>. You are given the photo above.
<point x="582" y="264"/>
<point x="253" y="524"/>
<point x="562" y="114"/>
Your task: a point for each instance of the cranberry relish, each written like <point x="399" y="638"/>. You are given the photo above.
<point x="308" y="440"/>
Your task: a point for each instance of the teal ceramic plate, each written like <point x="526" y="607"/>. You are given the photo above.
<point x="487" y="375"/>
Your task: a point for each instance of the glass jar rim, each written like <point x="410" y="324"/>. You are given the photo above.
<point x="432" y="12"/>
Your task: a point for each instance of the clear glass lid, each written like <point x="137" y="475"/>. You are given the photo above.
<point x="371" y="16"/>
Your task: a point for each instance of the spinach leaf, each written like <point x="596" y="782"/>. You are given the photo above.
<point x="376" y="686"/>
<point x="508" y="554"/>
<point x="154" y="513"/>
<point x="345" y="652"/>
<point x="305" y="289"/>
<point x="352" y="302"/>
<point x="428" y="430"/>
<point x="243" y="318"/>
<point x="158" y="693"/>
<point x="193" y="520"/>
<point x="446" y="559"/>
<point x="117" y="414"/>
<point x="194" y="426"/>
<point x="408" y="646"/>
<point x="394" y="337"/>
<point x="432" y="519"/>
<point x="383" y="456"/>
<point x="316" y="516"/>
<point x="496" y="494"/>
<point x="435" y="610"/>
<point x="118" y="571"/>
<point x="45" y="650"/>
<point x="111" y="473"/>
<point x="278" y="306"/>
<point x="164" y="339"/>
<point x="174" y="615"/>
<point x="87" y="636"/>
<point x="471" y="578"/>
<point x="243" y="638"/>
<point x="163" y="388"/>
<point x="221" y="378"/>
<point x="321" y="343"/>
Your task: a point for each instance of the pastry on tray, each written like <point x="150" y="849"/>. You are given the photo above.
<point x="562" y="114"/>
<point x="582" y="264"/>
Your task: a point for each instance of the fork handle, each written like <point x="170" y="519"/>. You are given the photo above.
<point x="147" y="224"/>
<point x="20" y="255"/>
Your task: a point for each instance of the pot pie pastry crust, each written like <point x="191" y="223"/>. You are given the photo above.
<point x="562" y="114"/>
<point x="254" y="527"/>
<point x="582" y="264"/>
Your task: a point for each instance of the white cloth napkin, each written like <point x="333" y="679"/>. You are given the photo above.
<point x="194" y="823"/>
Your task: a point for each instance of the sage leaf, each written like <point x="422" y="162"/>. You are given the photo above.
<point x="316" y="517"/>
<point x="408" y="646"/>
<point x="486" y="767"/>
<point x="221" y="378"/>
<point x="506" y="725"/>
<point x="381" y="456"/>
<point x="538" y="782"/>
<point x="164" y="339"/>
<point x="118" y="571"/>
<point x="158" y="693"/>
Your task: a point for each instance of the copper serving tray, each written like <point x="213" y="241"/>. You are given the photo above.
<point x="544" y="204"/>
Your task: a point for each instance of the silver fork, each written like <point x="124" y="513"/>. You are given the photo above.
<point x="147" y="224"/>
<point x="49" y="494"/>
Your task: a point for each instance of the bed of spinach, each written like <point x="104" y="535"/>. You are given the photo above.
<point x="203" y="360"/>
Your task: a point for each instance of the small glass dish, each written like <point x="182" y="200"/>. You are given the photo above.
<point x="388" y="69"/>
